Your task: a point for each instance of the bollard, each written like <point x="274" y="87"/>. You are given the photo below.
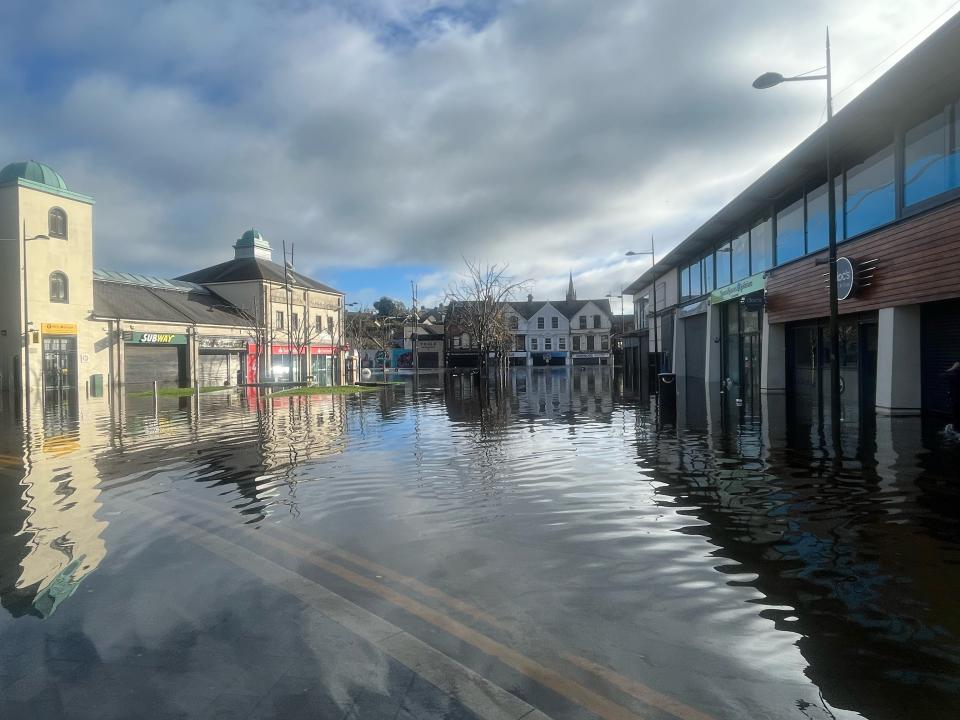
<point x="156" y="392"/>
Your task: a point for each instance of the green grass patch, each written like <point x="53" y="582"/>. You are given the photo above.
<point x="179" y="392"/>
<point x="324" y="390"/>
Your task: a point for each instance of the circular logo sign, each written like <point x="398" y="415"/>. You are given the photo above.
<point x="845" y="278"/>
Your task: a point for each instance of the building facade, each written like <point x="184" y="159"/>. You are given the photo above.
<point x="549" y="332"/>
<point x="748" y="289"/>
<point x="66" y="328"/>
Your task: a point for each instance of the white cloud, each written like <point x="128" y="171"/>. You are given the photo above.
<point x="549" y="135"/>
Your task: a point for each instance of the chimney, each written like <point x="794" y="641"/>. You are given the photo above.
<point x="529" y="297"/>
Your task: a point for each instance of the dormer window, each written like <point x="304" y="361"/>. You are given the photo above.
<point x="59" y="288"/>
<point x="57" y="223"/>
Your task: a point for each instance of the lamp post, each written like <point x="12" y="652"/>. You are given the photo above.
<point x="769" y="80"/>
<point x="653" y="263"/>
<point x="340" y="338"/>
<point x="26" y="315"/>
<point x="622" y="324"/>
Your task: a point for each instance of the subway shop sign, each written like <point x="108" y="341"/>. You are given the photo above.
<point x="154" y="338"/>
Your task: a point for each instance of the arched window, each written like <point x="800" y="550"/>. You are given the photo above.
<point x="57" y="220"/>
<point x="59" y="288"/>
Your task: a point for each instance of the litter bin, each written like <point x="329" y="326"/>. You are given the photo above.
<point x="667" y="392"/>
<point x="96" y="385"/>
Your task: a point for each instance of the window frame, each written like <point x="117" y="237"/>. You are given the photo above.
<point x="64" y="283"/>
<point x="61" y="214"/>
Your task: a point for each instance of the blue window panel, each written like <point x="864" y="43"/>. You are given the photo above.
<point x="696" y="280"/>
<point x="685" y="283"/>
<point x="870" y="194"/>
<point x="708" y="273"/>
<point x="817" y="230"/>
<point x="790" y="232"/>
<point x="741" y="257"/>
<point x="761" y="246"/>
<point x="724" y="276"/>
<point x="930" y="168"/>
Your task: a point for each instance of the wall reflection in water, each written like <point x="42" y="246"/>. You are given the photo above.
<point x="741" y="518"/>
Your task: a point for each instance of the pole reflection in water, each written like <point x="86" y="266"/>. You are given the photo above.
<point x="731" y="564"/>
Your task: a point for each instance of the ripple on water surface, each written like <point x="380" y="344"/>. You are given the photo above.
<point x="738" y="574"/>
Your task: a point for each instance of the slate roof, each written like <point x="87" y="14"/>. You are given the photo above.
<point x="141" y="302"/>
<point x="245" y="269"/>
<point x="527" y="309"/>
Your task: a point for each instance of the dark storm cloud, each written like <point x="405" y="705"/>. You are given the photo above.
<point x="547" y="134"/>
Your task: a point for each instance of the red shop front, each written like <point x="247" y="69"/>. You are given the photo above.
<point x="320" y="367"/>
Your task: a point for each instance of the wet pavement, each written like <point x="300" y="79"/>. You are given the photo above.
<point x="550" y="547"/>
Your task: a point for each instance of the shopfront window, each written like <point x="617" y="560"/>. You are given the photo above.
<point x="696" y="280"/>
<point x="818" y="236"/>
<point x="761" y="246"/>
<point x="741" y="257"/>
<point x="870" y="194"/>
<point x="724" y="253"/>
<point x="930" y="167"/>
<point x="790" y="233"/>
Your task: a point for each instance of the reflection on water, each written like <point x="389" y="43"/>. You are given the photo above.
<point x="744" y="570"/>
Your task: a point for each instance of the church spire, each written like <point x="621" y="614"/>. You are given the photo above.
<point x="571" y="293"/>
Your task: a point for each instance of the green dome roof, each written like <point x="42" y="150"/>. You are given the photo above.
<point x="250" y="237"/>
<point x="34" y="171"/>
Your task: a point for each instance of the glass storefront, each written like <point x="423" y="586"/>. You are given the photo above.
<point x="741" y="354"/>
<point x="808" y="367"/>
<point x="59" y="363"/>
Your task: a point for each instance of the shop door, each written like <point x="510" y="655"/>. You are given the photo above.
<point x="695" y="346"/>
<point x="59" y="363"/>
<point x="750" y="322"/>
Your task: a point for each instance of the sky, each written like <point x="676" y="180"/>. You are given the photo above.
<point x="389" y="140"/>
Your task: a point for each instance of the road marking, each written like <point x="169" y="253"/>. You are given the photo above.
<point x="634" y="688"/>
<point x="475" y="692"/>
<point x="570" y="689"/>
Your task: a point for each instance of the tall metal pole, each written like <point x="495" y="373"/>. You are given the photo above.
<point x="416" y="330"/>
<point x="26" y="326"/>
<point x="832" y="232"/>
<point x="656" y="334"/>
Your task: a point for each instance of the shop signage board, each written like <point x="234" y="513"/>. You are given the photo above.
<point x="154" y="338"/>
<point x="58" y="328"/>
<point x="742" y="287"/>
<point x="224" y="343"/>
<point x="846" y="278"/>
<point x="693" y="308"/>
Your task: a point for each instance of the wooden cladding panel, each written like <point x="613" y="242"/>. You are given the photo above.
<point x="917" y="260"/>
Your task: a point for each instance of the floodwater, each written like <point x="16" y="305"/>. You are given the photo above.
<point x="552" y="542"/>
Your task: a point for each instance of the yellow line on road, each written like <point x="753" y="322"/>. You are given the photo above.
<point x="570" y="689"/>
<point x="485" y="699"/>
<point x="634" y="688"/>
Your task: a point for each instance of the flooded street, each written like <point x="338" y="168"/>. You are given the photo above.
<point x="551" y="543"/>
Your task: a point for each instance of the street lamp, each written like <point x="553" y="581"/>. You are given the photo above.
<point x="341" y="340"/>
<point x="622" y="325"/>
<point x="26" y="317"/>
<point x="769" y="80"/>
<point x="653" y="264"/>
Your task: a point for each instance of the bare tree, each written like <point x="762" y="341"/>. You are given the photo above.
<point x="366" y="330"/>
<point x="478" y="308"/>
<point x="302" y="334"/>
<point x="255" y="314"/>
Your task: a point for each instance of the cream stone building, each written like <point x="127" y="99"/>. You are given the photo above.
<point x="66" y="328"/>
